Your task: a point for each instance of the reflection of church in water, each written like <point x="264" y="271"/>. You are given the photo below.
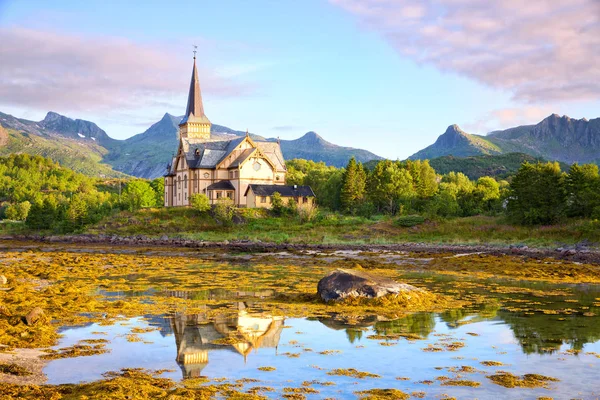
<point x="195" y="336"/>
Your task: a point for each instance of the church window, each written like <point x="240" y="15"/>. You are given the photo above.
<point x="218" y="195"/>
<point x="206" y="174"/>
<point x="185" y="196"/>
<point x="179" y="182"/>
<point x="230" y="195"/>
<point x="256" y="166"/>
<point x="277" y="178"/>
<point x="263" y="199"/>
<point x="185" y="181"/>
<point x="230" y="174"/>
<point x="305" y="200"/>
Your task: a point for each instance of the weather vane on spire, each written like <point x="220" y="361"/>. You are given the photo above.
<point x="195" y="50"/>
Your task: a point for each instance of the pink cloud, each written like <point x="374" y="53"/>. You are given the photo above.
<point x="505" y="118"/>
<point x="51" y="70"/>
<point x="539" y="50"/>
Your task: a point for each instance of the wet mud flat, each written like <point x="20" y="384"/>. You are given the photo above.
<point x="133" y="322"/>
<point x="583" y="252"/>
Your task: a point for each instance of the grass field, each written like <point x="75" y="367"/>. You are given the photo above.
<point x="331" y="228"/>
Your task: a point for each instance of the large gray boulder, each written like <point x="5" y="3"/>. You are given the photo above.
<point x="343" y="283"/>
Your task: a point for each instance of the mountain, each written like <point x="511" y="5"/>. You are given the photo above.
<point x="554" y="138"/>
<point x="82" y="154"/>
<point x="84" y="147"/>
<point x="500" y="165"/>
<point x="457" y="143"/>
<point x="75" y="129"/>
<point x="311" y="146"/>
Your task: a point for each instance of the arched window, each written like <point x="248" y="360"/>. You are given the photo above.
<point x="179" y="182"/>
<point x="185" y="181"/>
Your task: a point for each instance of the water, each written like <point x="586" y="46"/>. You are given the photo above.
<point x="183" y="345"/>
<point x="530" y="327"/>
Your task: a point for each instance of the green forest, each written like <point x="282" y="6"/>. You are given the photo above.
<point x="39" y="194"/>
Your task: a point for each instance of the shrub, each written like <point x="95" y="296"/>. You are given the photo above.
<point x="224" y="209"/>
<point x="18" y="212"/>
<point x="277" y="204"/>
<point x="410" y="220"/>
<point x="307" y="212"/>
<point x="200" y="202"/>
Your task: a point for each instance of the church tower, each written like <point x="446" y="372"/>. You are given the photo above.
<point x="194" y="124"/>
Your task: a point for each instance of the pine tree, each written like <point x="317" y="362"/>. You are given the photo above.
<point x="354" y="181"/>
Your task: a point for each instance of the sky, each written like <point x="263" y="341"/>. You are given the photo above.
<point x="388" y="76"/>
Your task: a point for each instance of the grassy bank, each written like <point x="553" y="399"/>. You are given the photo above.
<point x="334" y="228"/>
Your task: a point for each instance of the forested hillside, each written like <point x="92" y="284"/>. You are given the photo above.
<point x="45" y="195"/>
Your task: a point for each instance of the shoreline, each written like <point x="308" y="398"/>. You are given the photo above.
<point x="577" y="253"/>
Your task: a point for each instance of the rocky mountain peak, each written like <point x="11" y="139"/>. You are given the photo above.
<point x="311" y="138"/>
<point x="52" y="116"/>
<point x="74" y="128"/>
<point x="455" y="130"/>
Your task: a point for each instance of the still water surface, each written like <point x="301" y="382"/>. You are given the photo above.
<point x="183" y="345"/>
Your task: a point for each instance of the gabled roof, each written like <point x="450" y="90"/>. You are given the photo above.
<point x="283" y="190"/>
<point x="206" y="153"/>
<point x="272" y="150"/>
<point x="221" y="185"/>
<point x="195" y="110"/>
<point x="242" y="157"/>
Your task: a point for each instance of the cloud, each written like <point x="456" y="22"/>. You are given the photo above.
<point x="285" y="128"/>
<point x="505" y="118"/>
<point x="539" y="50"/>
<point x="50" y="70"/>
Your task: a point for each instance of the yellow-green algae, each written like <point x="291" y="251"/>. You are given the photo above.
<point x="382" y="394"/>
<point x="126" y="384"/>
<point x="353" y="373"/>
<point x="509" y="380"/>
<point x="72" y="287"/>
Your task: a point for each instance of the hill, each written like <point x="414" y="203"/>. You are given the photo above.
<point x="554" y="138"/>
<point x="313" y="147"/>
<point x="83" y="155"/>
<point x="84" y="147"/>
<point x="501" y="165"/>
<point x="458" y="143"/>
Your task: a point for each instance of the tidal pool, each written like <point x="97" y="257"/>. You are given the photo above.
<point x="303" y="349"/>
<point x="252" y="321"/>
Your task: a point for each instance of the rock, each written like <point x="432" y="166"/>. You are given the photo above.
<point x="238" y="219"/>
<point x="3" y="280"/>
<point x="34" y="316"/>
<point x="343" y="283"/>
<point x="164" y="238"/>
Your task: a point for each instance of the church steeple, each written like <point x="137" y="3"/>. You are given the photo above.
<point x="194" y="124"/>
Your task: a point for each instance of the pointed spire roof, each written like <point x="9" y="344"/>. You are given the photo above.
<point x="195" y="110"/>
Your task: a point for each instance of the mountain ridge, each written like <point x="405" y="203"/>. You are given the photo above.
<point x="145" y="154"/>
<point x="554" y="138"/>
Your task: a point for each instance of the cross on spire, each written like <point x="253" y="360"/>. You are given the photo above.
<point x="195" y="50"/>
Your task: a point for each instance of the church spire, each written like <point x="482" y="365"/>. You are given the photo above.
<point x="194" y="123"/>
<point x="194" y="104"/>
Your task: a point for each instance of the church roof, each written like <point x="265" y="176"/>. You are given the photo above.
<point x="284" y="191"/>
<point x="272" y="150"/>
<point x="221" y="185"/>
<point x="242" y="157"/>
<point x="208" y="153"/>
<point x="195" y="110"/>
